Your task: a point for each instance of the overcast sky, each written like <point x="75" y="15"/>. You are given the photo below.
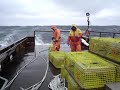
<point x="59" y="12"/>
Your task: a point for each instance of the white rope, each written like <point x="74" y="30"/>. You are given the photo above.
<point x="19" y="71"/>
<point x="37" y="85"/>
<point x="5" y="82"/>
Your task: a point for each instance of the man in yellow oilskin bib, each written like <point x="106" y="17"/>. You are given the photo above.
<point x="74" y="39"/>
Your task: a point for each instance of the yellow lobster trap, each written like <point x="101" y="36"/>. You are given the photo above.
<point x="107" y="47"/>
<point x="64" y="73"/>
<point x="57" y="58"/>
<point x="72" y="85"/>
<point x="90" y="71"/>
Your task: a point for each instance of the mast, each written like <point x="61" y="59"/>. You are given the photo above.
<point x="88" y="15"/>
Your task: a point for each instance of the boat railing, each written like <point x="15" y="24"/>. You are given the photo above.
<point x="49" y="31"/>
<point x="113" y="34"/>
<point x="7" y="51"/>
<point x="13" y="45"/>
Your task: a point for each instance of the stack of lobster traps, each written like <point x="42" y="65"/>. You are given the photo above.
<point x="92" y="69"/>
<point x="87" y="70"/>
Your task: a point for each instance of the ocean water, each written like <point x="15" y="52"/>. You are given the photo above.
<point x="10" y="34"/>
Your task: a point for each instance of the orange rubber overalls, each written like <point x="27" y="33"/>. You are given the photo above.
<point x="74" y="40"/>
<point x="56" y="38"/>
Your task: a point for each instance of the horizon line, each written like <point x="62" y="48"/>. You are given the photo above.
<point x="58" y="25"/>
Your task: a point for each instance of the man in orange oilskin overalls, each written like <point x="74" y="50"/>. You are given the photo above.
<point x="56" y="38"/>
<point x="74" y="39"/>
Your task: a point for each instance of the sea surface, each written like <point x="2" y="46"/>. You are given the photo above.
<point x="11" y="34"/>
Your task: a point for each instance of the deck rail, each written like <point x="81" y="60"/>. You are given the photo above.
<point x="12" y="45"/>
<point x="100" y="33"/>
<point x="7" y="51"/>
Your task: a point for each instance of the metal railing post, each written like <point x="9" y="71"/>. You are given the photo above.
<point x="113" y="35"/>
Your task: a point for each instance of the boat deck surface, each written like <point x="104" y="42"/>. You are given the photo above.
<point x="34" y="72"/>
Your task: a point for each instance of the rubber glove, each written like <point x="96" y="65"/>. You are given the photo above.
<point x="52" y="38"/>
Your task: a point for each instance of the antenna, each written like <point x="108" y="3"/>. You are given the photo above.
<point x="87" y="32"/>
<point x="88" y="15"/>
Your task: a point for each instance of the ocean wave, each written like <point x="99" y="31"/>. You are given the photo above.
<point x="8" y="35"/>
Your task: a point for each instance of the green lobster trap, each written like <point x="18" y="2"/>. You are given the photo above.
<point x="117" y="66"/>
<point x="90" y="70"/>
<point x="64" y="73"/>
<point x="57" y="58"/>
<point x="72" y="85"/>
<point x="117" y="73"/>
<point x="72" y="57"/>
<point x="107" y="47"/>
<point x="69" y="61"/>
<point x="89" y="78"/>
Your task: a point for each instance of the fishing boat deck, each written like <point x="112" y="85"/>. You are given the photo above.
<point x="35" y="71"/>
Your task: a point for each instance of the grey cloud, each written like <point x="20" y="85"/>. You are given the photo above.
<point x="22" y="21"/>
<point x="106" y="21"/>
<point x="11" y="7"/>
<point x="14" y="12"/>
<point x="92" y="6"/>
